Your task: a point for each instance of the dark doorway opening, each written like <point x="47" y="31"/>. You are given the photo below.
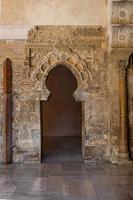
<point x="61" y="118"/>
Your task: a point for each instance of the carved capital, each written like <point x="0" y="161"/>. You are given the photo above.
<point x="123" y="66"/>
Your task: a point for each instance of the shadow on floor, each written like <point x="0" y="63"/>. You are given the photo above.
<point x="62" y="149"/>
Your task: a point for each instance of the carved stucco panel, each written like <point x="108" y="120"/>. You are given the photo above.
<point x="122" y="12"/>
<point x="122" y="37"/>
<point x="65" y="34"/>
<point x="52" y="59"/>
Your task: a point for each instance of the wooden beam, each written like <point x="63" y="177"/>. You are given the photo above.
<point x="7" y="111"/>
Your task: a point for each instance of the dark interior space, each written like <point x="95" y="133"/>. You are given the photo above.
<point x="61" y="118"/>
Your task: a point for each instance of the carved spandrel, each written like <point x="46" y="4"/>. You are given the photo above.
<point x="64" y="50"/>
<point x="77" y="65"/>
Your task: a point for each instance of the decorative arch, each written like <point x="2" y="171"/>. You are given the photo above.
<point x="71" y="67"/>
<point x="77" y="66"/>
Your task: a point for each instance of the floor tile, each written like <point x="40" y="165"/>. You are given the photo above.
<point x="65" y="181"/>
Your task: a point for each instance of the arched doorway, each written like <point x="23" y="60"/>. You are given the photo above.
<point x="61" y="118"/>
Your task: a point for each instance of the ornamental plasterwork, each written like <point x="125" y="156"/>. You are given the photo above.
<point x="122" y="24"/>
<point x="65" y="34"/>
<point x="44" y="63"/>
<point x="122" y="37"/>
<point x="50" y="46"/>
<point x="122" y="12"/>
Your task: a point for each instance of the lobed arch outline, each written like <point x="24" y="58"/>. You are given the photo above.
<point x="80" y="93"/>
<point x="71" y="67"/>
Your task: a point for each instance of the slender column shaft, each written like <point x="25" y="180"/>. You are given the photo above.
<point x="123" y="139"/>
<point x="7" y="111"/>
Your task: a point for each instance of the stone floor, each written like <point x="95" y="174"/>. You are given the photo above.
<point x="66" y="181"/>
<point x="62" y="149"/>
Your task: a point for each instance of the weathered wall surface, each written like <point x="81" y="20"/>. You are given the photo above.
<point x="54" y="12"/>
<point x="99" y="83"/>
<point x="87" y="59"/>
<point x="15" y="51"/>
<point x="17" y="17"/>
<point x="98" y="87"/>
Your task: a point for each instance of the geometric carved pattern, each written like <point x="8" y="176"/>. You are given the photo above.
<point x="122" y="37"/>
<point x="52" y="59"/>
<point x="64" y="35"/>
<point x="48" y="47"/>
<point x="48" y="61"/>
<point x="122" y="12"/>
<point x="122" y="18"/>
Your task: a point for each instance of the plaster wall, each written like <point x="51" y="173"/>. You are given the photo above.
<point x="17" y="17"/>
<point x="54" y="12"/>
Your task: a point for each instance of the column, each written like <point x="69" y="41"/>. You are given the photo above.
<point x="7" y="112"/>
<point x="123" y="139"/>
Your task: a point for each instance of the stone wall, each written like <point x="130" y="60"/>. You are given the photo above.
<point x="45" y="48"/>
<point x="91" y="53"/>
<point x="15" y="51"/>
